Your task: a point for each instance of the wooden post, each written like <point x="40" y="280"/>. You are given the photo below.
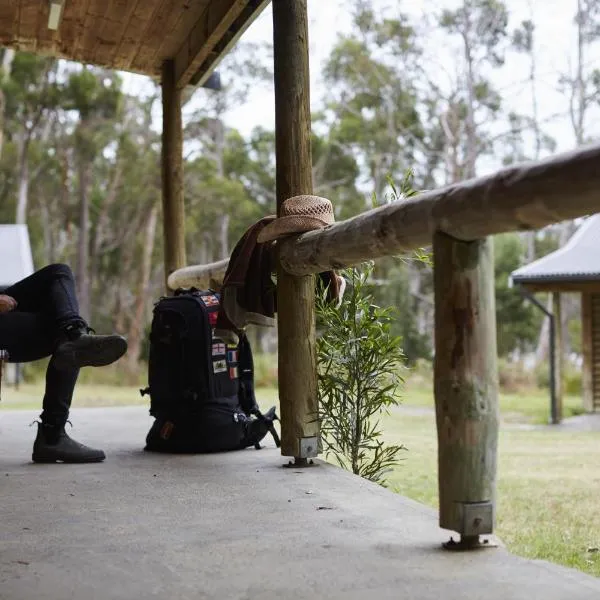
<point x="466" y="385"/>
<point x="172" y="173"/>
<point x="295" y="295"/>
<point x="587" y="349"/>
<point x="558" y="355"/>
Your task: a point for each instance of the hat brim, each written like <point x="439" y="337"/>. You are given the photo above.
<point x="289" y="226"/>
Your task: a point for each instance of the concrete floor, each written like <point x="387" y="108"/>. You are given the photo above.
<point x="229" y="527"/>
<point x="589" y="422"/>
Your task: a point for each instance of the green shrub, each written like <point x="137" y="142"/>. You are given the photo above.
<point x="359" y="376"/>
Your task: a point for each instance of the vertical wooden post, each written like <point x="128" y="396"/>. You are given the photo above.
<point x="172" y="172"/>
<point x="588" y="354"/>
<point x="295" y="295"/>
<point x="558" y="355"/>
<point x="466" y="385"/>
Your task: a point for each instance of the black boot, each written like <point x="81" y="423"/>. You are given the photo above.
<point x="52" y="444"/>
<point x="78" y="346"/>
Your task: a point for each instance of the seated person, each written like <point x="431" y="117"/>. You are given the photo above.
<point x="39" y="317"/>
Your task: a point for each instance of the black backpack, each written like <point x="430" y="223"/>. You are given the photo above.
<point x="201" y="389"/>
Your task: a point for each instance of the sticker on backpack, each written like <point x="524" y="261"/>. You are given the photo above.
<point x="210" y="300"/>
<point x="218" y="349"/>
<point x="219" y="366"/>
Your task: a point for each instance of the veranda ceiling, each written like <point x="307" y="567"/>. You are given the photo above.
<point x="130" y="35"/>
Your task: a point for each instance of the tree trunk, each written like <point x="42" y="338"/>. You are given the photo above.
<point x="83" y="282"/>
<point x="471" y="127"/>
<point x="579" y="117"/>
<point x="137" y="323"/>
<point x="122" y="307"/>
<point x="7" y="60"/>
<point x="224" y="234"/>
<point x="103" y="218"/>
<point x="23" y="193"/>
<point x="49" y="252"/>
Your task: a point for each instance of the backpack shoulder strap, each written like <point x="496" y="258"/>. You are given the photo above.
<point x="246" y="394"/>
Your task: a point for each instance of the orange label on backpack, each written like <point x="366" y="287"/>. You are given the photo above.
<point x="166" y="430"/>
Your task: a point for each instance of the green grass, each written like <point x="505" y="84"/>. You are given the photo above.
<point x="29" y="396"/>
<point x="530" y="407"/>
<point x="548" y="480"/>
<point x="548" y="487"/>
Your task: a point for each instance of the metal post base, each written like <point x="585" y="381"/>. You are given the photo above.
<point x="300" y="463"/>
<point x="468" y="542"/>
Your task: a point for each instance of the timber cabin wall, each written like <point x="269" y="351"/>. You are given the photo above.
<point x="595" y="327"/>
<point x="591" y="351"/>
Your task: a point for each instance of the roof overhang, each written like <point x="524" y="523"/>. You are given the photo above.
<point x="130" y="35"/>
<point x="574" y="267"/>
<point x="565" y="286"/>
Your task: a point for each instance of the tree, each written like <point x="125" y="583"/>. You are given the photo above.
<point x="517" y="320"/>
<point x="95" y="95"/>
<point x="581" y="83"/>
<point x="8" y="56"/>
<point x="480" y="26"/>
<point x="372" y="100"/>
<point x="29" y="94"/>
<point x="210" y="180"/>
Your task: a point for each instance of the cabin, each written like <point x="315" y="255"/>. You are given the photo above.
<point x="574" y="268"/>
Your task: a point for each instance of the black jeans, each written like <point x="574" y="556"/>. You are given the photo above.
<point x="46" y="303"/>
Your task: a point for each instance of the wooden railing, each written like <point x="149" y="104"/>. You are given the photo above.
<point x="456" y="220"/>
<point x="519" y="198"/>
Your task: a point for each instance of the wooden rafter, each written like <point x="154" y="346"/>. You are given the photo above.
<point x="131" y="35"/>
<point x="213" y="35"/>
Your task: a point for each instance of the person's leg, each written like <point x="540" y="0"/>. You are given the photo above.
<point x="51" y="292"/>
<point x="52" y="444"/>
<point x="28" y="337"/>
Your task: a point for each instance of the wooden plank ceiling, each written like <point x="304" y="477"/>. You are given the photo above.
<point x="131" y="35"/>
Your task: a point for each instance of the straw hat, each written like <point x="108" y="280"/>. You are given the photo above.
<point x="298" y="215"/>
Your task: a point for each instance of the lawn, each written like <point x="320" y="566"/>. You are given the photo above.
<point x="549" y="480"/>
<point x="548" y="487"/>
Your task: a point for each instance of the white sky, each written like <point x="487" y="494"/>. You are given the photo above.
<point x="555" y="39"/>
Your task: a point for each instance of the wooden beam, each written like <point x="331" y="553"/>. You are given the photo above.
<point x="465" y="384"/>
<point x="587" y="324"/>
<point x="588" y="287"/>
<point x="200" y="276"/>
<point x="172" y="172"/>
<point x="206" y="33"/>
<point x="295" y="295"/>
<point x="250" y="13"/>
<point x="518" y="198"/>
<point x="558" y="355"/>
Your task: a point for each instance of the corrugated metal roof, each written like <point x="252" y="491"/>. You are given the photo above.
<point x="16" y="261"/>
<point x="578" y="260"/>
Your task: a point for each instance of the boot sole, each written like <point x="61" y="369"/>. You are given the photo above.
<point x="90" y="352"/>
<point x="67" y="462"/>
